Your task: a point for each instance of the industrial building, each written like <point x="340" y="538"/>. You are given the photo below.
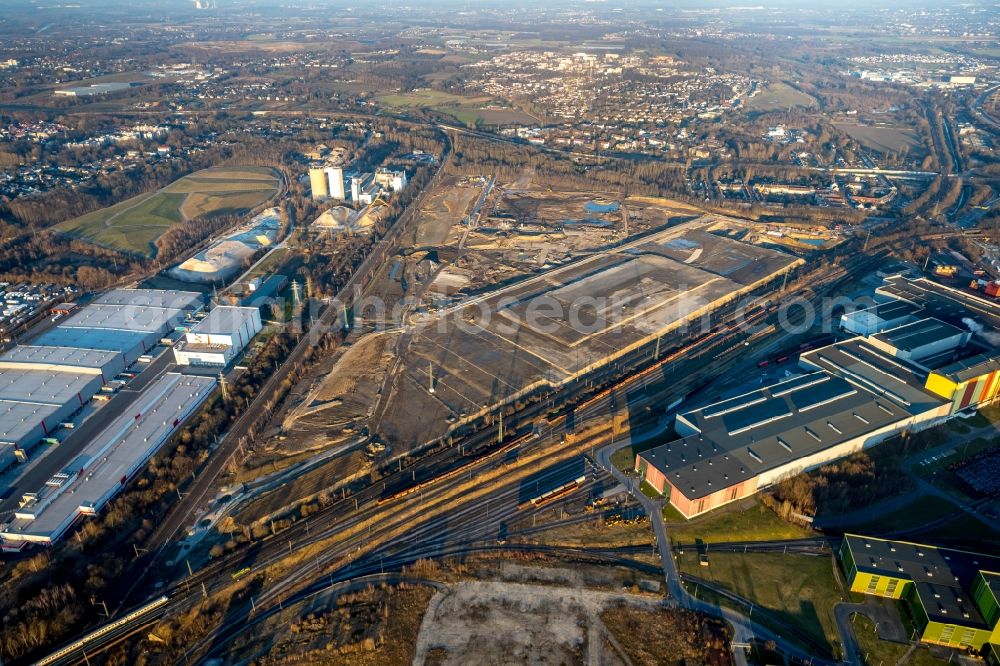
<point x="967" y="382"/>
<point x="41" y="387"/>
<point x="952" y="595"/>
<point x="106" y="463"/>
<point x="855" y="394"/>
<point x="922" y="339"/>
<point x="127" y="321"/>
<point x="8" y="456"/>
<point x="390" y="179"/>
<point x="335" y="177"/>
<point x="730" y="449"/>
<point x="938" y="300"/>
<point x="318" y="185"/>
<point x="364" y="189"/>
<point x="219" y="337"/>
<point x="327" y="183"/>
<point x="878" y="318"/>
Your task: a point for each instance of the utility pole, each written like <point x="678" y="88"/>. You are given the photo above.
<point x="430" y="378"/>
<point x="222" y="385"/>
<point x="500" y="438"/>
<point x="868" y="238"/>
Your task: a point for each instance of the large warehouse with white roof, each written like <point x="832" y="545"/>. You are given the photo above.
<point x="129" y="321"/>
<point x="108" y="461"/>
<point x="40" y="387"/>
<point x="219" y="337"/>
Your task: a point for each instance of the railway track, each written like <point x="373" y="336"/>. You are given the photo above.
<point x="355" y="527"/>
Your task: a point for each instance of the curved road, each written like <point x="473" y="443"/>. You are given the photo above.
<point x="744" y="629"/>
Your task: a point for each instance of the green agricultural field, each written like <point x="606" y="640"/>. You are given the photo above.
<point x="883" y="139"/>
<point x="466" y="110"/>
<point x="779" y="96"/>
<point x="135" y="224"/>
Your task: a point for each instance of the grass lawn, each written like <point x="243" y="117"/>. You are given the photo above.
<point x="779" y="96"/>
<point x="269" y="264"/>
<point x="748" y="520"/>
<point x="798" y="589"/>
<point x="873" y="650"/>
<point x="962" y="531"/>
<point x="466" y="110"/>
<point x="962" y="451"/>
<point x="649" y="491"/>
<point x="624" y="458"/>
<point x="919" y="511"/>
<point x="426" y="97"/>
<point x="134" y="225"/>
<point x="882" y="138"/>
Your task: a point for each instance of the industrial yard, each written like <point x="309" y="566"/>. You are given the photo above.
<point x="223" y="258"/>
<point x="566" y="322"/>
<point x="485" y="233"/>
<point x="90" y="400"/>
<point x="457" y="359"/>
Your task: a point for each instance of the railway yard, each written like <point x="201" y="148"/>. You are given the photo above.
<point x="464" y="428"/>
<point x="400" y="335"/>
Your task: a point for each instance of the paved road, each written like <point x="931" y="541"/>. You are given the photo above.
<point x="744" y="629"/>
<point x="231" y="442"/>
<point x="49" y="462"/>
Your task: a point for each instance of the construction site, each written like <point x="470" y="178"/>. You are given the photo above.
<point x="459" y="362"/>
<point x="513" y="291"/>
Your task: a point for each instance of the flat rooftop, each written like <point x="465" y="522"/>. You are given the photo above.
<point x="35" y="355"/>
<point x="135" y="318"/>
<point x="224" y="319"/>
<point x="971" y="367"/>
<point x="937" y="300"/>
<point x="875" y="370"/>
<point x="156" y="298"/>
<point x="894" y="310"/>
<point x="943" y="577"/>
<point x="110" y="458"/>
<point x="884" y="312"/>
<point x="42" y="386"/>
<point x="19" y="419"/>
<point x="913" y="336"/>
<point x="29" y="397"/>
<point x="122" y="319"/>
<point x="743" y="437"/>
<point x="115" y="340"/>
<point x="201" y="347"/>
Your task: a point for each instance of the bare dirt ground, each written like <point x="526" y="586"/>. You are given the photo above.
<point x="373" y="626"/>
<point x="507" y="622"/>
<point x="445" y="207"/>
<point x="346" y="393"/>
